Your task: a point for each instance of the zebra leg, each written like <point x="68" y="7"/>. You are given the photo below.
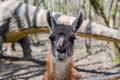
<point x="25" y="44"/>
<point x="12" y="47"/>
<point x="1" y="43"/>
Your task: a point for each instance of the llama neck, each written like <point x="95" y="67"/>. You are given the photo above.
<point x="59" y="70"/>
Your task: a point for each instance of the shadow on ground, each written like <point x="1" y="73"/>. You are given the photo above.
<point x="37" y="69"/>
<point x="23" y="72"/>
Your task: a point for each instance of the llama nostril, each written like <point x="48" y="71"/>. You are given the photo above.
<point x="61" y="50"/>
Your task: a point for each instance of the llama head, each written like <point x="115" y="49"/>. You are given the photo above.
<point x="62" y="36"/>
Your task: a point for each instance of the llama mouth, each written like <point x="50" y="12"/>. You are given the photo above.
<point x="61" y="59"/>
<point x="61" y="56"/>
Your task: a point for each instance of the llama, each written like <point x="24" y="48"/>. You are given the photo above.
<point x="59" y="63"/>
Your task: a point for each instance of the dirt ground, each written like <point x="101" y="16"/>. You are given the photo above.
<point x="98" y="62"/>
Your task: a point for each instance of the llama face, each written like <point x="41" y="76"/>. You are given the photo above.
<point x="62" y="41"/>
<point x="62" y="37"/>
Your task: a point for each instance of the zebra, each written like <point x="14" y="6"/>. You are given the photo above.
<point x="16" y="15"/>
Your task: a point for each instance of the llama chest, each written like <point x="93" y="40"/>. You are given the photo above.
<point x="60" y="70"/>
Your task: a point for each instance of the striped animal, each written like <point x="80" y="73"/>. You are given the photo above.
<point x="16" y="15"/>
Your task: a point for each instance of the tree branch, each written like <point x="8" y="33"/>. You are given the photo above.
<point x="99" y="10"/>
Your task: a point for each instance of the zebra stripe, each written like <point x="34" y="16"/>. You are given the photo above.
<point x="27" y="16"/>
<point x="35" y="16"/>
<point x="4" y="28"/>
<point x="57" y="16"/>
<point x="17" y="16"/>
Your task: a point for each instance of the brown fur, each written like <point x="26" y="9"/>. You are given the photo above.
<point x="70" y="73"/>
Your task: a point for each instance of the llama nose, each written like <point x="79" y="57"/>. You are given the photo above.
<point x="61" y="50"/>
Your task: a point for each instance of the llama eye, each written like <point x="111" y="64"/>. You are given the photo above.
<point x="72" y="38"/>
<point x="52" y="38"/>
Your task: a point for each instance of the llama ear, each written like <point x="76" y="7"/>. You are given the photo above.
<point x="77" y="23"/>
<point x="50" y="20"/>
